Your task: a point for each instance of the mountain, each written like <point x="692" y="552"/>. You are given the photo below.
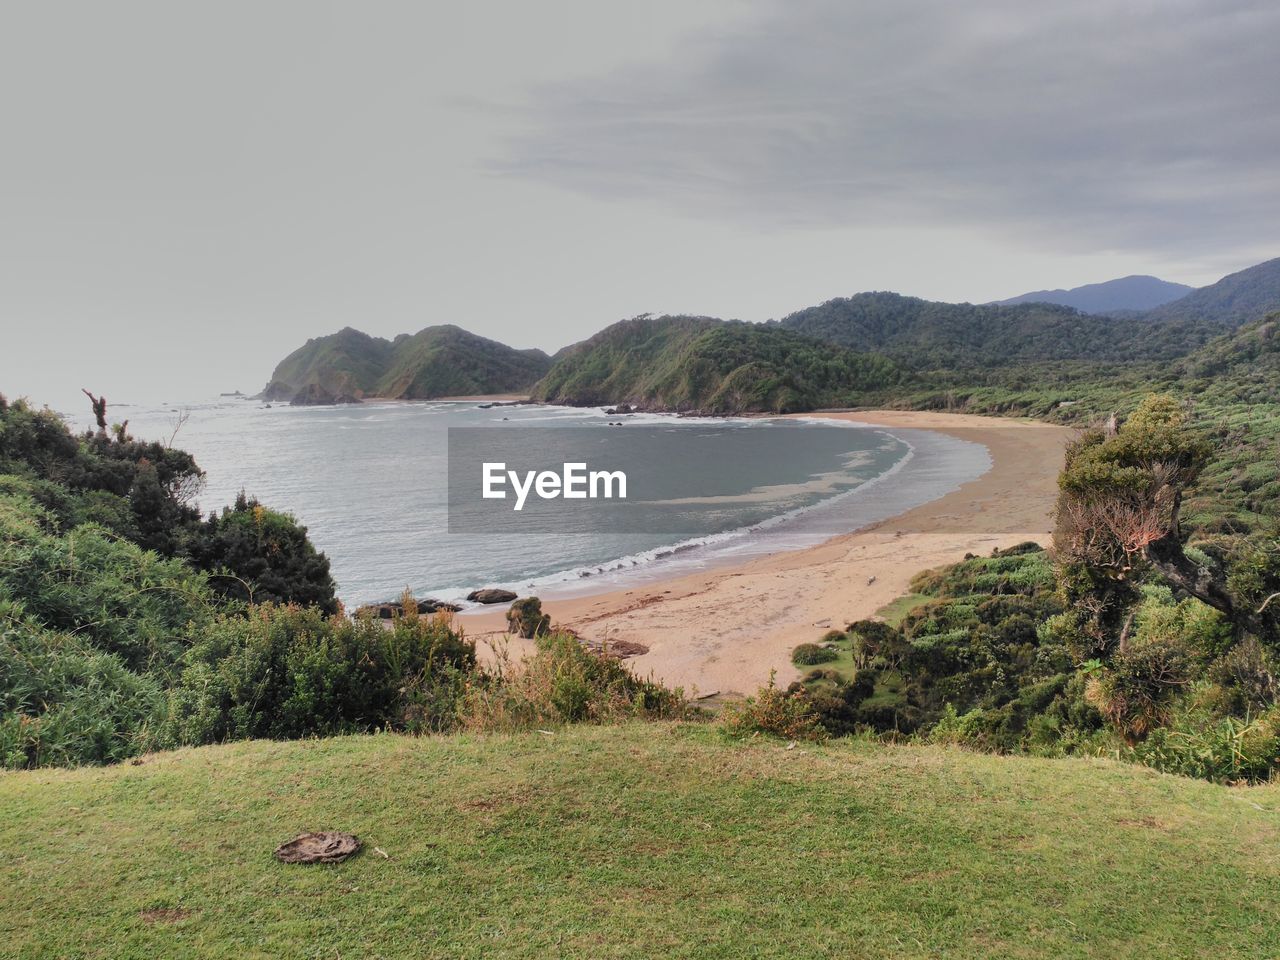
<point x="1233" y="301"/>
<point x="439" y="361"/>
<point x="346" y="364"/>
<point x="1127" y="293"/>
<point x="700" y="364"/>
<point x="928" y="335"/>
<point x="1241" y="366"/>
<point x="447" y="361"/>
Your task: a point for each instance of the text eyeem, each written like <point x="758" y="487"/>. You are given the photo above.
<point x="574" y="482"/>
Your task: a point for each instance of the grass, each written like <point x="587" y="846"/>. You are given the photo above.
<point x="634" y="841"/>
<point x="895" y="611"/>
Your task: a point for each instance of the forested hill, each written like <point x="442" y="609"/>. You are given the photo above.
<point x="927" y="335"/>
<point x="882" y="348"/>
<point x="346" y="364"/>
<point x="699" y="364"/>
<point x="438" y="361"/>
<point x="1233" y="301"/>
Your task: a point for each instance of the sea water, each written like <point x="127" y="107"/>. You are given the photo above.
<point x="369" y="481"/>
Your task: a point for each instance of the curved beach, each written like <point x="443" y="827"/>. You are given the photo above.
<point x="724" y="630"/>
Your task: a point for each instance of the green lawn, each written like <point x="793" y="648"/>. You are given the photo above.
<point x="895" y="611"/>
<point x="636" y="841"/>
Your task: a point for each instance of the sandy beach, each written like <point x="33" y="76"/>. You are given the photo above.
<point x="724" y="630"/>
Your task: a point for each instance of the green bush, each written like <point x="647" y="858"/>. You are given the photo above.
<point x="788" y="714"/>
<point x="64" y="703"/>
<point x="811" y="654"/>
<point x="526" y="619"/>
<point x="262" y="556"/>
<point x="284" y="672"/>
<point x="110" y="593"/>
<point x="1137" y="690"/>
<point x="1225" y="750"/>
<point x="563" y="682"/>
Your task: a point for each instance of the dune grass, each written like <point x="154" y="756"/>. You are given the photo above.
<point x="634" y="841"/>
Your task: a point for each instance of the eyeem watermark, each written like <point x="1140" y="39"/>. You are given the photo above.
<point x="573" y="482"/>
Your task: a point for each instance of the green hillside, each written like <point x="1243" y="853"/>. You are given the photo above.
<point x="925" y="335"/>
<point x="634" y="841"/>
<point x="438" y="361"/>
<point x="1234" y="300"/>
<point x="344" y="364"/>
<point x="447" y="361"/>
<point x="710" y="366"/>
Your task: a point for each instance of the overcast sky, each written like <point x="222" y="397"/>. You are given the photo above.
<point x="190" y="190"/>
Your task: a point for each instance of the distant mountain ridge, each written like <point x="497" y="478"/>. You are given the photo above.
<point x="1233" y="301"/>
<point x="837" y="353"/>
<point x="439" y="361"/>
<point x="930" y="335"/>
<point x="1139" y="292"/>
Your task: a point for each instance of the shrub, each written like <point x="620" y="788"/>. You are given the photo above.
<point x="284" y="672"/>
<point x="787" y="714"/>
<point x="113" y="595"/>
<point x="1136" y="692"/>
<point x="563" y="682"/>
<point x="261" y="555"/>
<point x="811" y="654"/>
<point x="63" y="702"/>
<point x="1243" y="680"/>
<point x="1227" y="750"/>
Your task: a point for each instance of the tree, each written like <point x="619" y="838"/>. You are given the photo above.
<point x="260" y="555"/>
<point x="1119" y="518"/>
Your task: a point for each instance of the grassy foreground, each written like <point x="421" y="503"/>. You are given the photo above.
<point x="634" y="841"/>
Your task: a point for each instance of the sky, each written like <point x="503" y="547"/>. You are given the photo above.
<point x="190" y="191"/>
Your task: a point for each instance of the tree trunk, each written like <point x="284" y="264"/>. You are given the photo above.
<point x="1168" y="557"/>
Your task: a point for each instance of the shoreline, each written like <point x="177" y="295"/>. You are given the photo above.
<point x="722" y="631"/>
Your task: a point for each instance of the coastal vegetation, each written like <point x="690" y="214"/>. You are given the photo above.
<point x="130" y="624"/>
<point x="1140" y="635"/>
<point x="871" y="350"/>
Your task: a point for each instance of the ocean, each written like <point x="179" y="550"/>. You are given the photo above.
<point x="370" y="482"/>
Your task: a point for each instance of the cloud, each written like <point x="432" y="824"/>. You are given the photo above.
<point x="1138" y="126"/>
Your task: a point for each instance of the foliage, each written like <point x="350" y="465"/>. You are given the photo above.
<point x="811" y="654"/>
<point x="261" y="555"/>
<point x="526" y="619"/>
<point x="284" y="672"/>
<point x="922" y="335"/>
<point x="774" y="712"/>
<point x="1223" y="749"/>
<point x="1138" y="688"/>
<point x="143" y="492"/>
<point x="1119" y="519"/>
<point x="564" y="682"/>
<point x="974" y="645"/>
<point x="116" y="597"/>
<point x="64" y="702"/>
